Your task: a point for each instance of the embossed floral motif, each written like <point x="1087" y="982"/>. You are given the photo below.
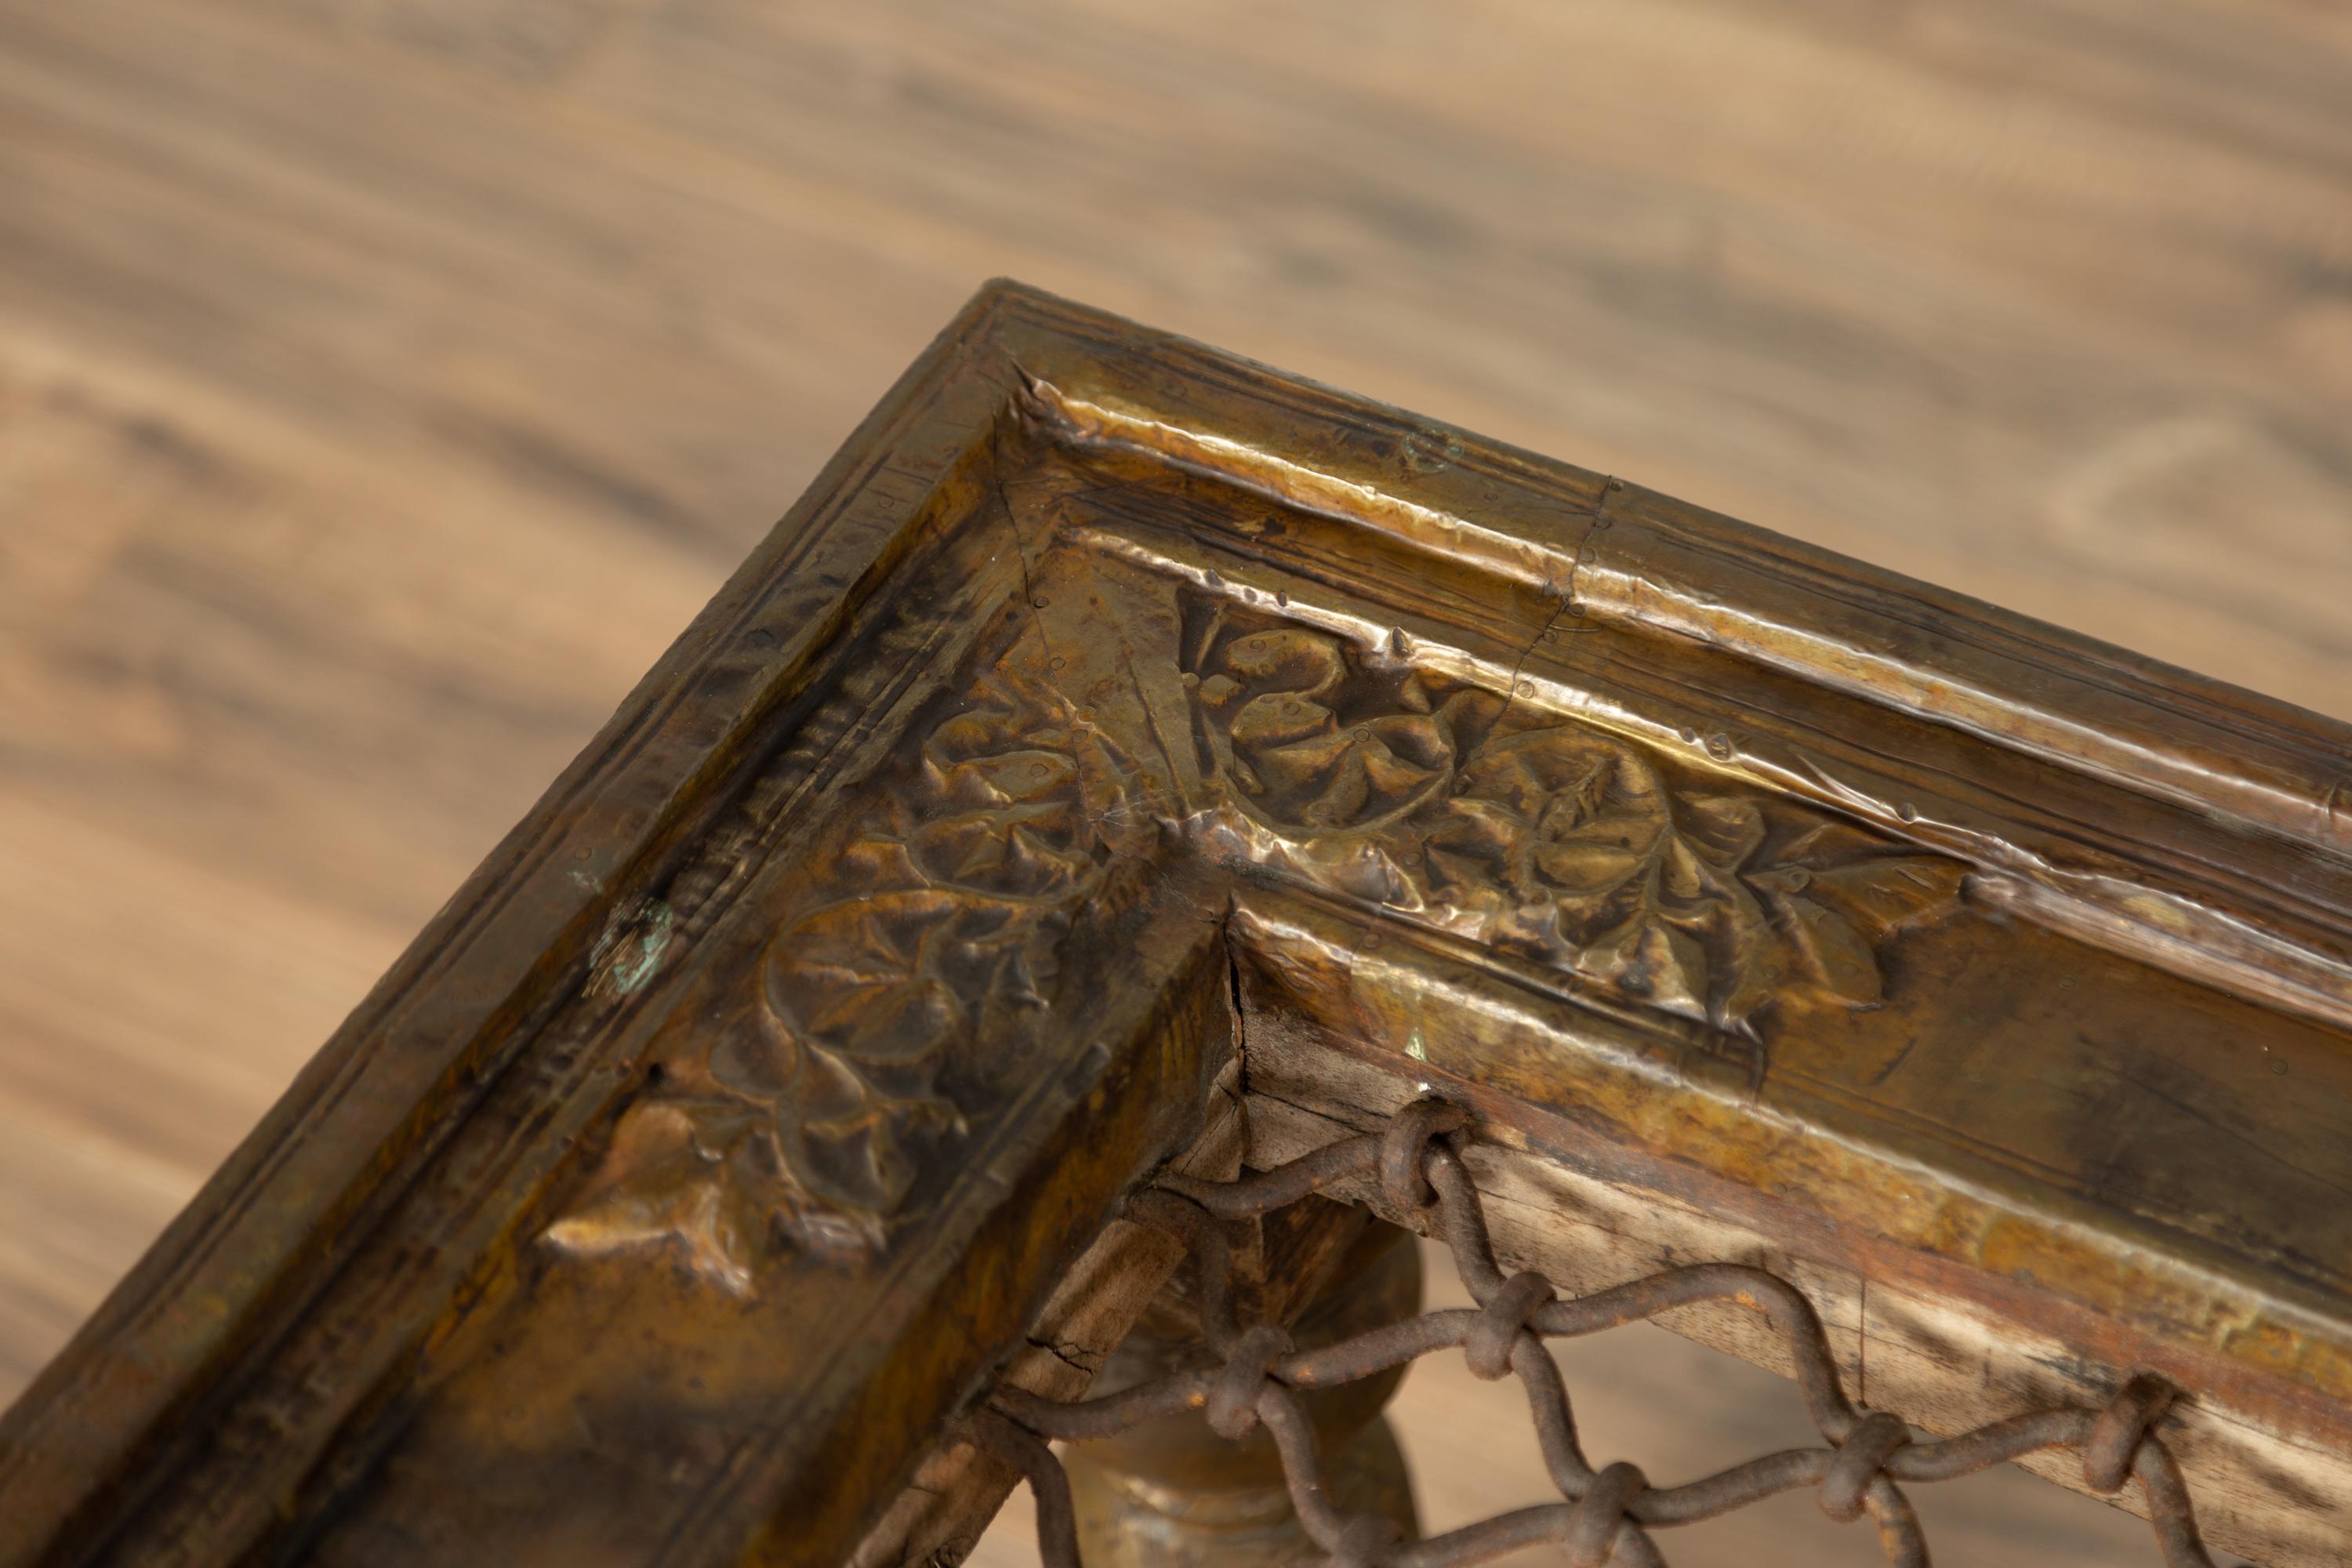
<point x="1435" y="796"/>
<point x="932" y="921"/>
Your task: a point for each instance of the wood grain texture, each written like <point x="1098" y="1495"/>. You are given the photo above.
<point x="382" y="383"/>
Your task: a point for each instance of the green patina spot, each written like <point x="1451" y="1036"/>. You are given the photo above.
<point x="633" y="969"/>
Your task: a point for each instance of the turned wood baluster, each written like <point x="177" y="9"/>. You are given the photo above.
<point x="1175" y="1494"/>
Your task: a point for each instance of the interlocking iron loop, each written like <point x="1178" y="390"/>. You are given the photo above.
<point x="1609" y="1511"/>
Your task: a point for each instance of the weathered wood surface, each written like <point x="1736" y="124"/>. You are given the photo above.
<point x="381" y="386"/>
<point x="722" y="1139"/>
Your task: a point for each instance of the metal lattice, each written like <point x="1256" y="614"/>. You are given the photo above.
<point x="1609" y="1511"/>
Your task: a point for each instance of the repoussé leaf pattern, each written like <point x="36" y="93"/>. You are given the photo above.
<point x="1433" y="796"/>
<point x="935" y="920"/>
<point x="931" y="918"/>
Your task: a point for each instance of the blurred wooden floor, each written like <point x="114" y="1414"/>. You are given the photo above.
<point x="383" y="381"/>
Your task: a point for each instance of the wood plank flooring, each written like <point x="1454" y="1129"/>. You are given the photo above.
<point x="383" y="381"/>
